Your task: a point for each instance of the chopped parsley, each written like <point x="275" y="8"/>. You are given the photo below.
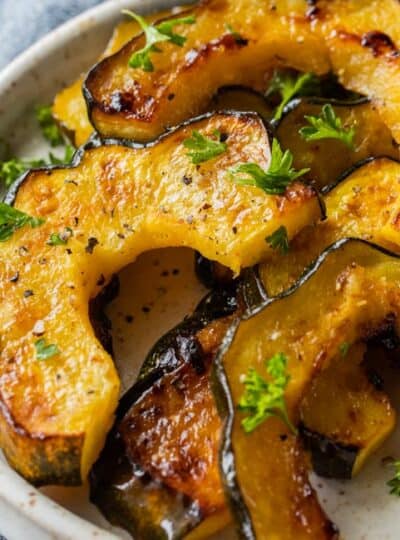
<point x="289" y="85"/>
<point x="60" y="239"/>
<point x="327" y="126"/>
<point x="279" y="240"/>
<point x="12" y="219"/>
<point x="394" y="483"/>
<point x="44" y="350"/>
<point x="202" y="148"/>
<point x="154" y="35"/>
<point x="263" y="399"/>
<point x="13" y="168"/>
<point x="276" y="179"/>
<point x="344" y="348"/>
<point x="49" y="128"/>
<point x="236" y="36"/>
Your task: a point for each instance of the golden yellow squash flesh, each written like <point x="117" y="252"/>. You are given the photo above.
<point x="69" y="107"/>
<point x="356" y="40"/>
<point x="347" y="296"/>
<point x="117" y="202"/>
<point x="127" y="102"/>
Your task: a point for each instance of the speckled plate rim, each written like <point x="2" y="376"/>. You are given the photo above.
<point x="18" y="494"/>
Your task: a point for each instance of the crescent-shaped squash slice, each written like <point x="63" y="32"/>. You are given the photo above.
<point x="168" y="431"/>
<point x="58" y="387"/>
<point x="69" y="107"/>
<point x="173" y="390"/>
<point x="128" y="102"/>
<point x="346" y="296"/>
<point x="358" y="40"/>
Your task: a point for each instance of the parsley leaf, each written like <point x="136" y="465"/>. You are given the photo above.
<point x="344" y="348"/>
<point x="49" y="128"/>
<point x="45" y="351"/>
<point x="264" y="399"/>
<point x="12" y="169"/>
<point x="68" y="155"/>
<point x="236" y="36"/>
<point x="273" y="181"/>
<point x="290" y="85"/>
<point x="12" y="219"/>
<point x="327" y="126"/>
<point x="154" y="35"/>
<point x="279" y="240"/>
<point x="166" y="28"/>
<point x="394" y="483"/>
<point x="60" y="239"/>
<point x="204" y="148"/>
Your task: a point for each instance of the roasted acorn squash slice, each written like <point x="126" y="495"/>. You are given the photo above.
<point x="344" y="297"/>
<point x="116" y="202"/>
<point x="69" y="108"/>
<point x="168" y="430"/>
<point x="180" y="459"/>
<point x="344" y="417"/>
<point x="328" y="159"/>
<point x="127" y="102"/>
<point x="181" y="355"/>
<point x="348" y="37"/>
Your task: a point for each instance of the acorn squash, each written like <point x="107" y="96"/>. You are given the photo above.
<point x="69" y="107"/>
<point x="168" y="430"/>
<point x="328" y="159"/>
<point x="115" y="202"/>
<point x="345" y="296"/>
<point x="358" y="41"/>
<point x="174" y="379"/>
<point x="127" y="102"/>
<point x="344" y="417"/>
<point x="179" y="460"/>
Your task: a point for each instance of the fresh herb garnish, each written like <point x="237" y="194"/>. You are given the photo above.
<point x="236" y="36"/>
<point x="327" y="126"/>
<point x="12" y="169"/>
<point x="204" y="148"/>
<point x="394" y="483"/>
<point x="45" y="351"/>
<point x="344" y="348"/>
<point x="263" y="399"/>
<point x="290" y="85"/>
<point x="12" y="219"/>
<point x="48" y="125"/>
<point x="68" y="155"/>
<point x="60" y="239"/>
<point x="279" y="240"/>
<point x="276" y="179"/>
<point x="154" y="35"/>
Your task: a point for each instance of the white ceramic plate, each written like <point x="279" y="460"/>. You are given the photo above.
<point x="362" y="509"/>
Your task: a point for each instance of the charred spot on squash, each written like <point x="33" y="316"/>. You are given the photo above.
<point x="379" y="43"/>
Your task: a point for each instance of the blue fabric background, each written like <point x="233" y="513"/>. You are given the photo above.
<point x="22" y="22"/>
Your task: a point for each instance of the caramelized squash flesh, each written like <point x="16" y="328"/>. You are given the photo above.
<point x="347" y="295"/>
<point x="116" y="202"/>
<point x="69" y="107"/>
<point x="167" y="400"/>
<point x="358" y="41"/>
<point x="127" y="102"/>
